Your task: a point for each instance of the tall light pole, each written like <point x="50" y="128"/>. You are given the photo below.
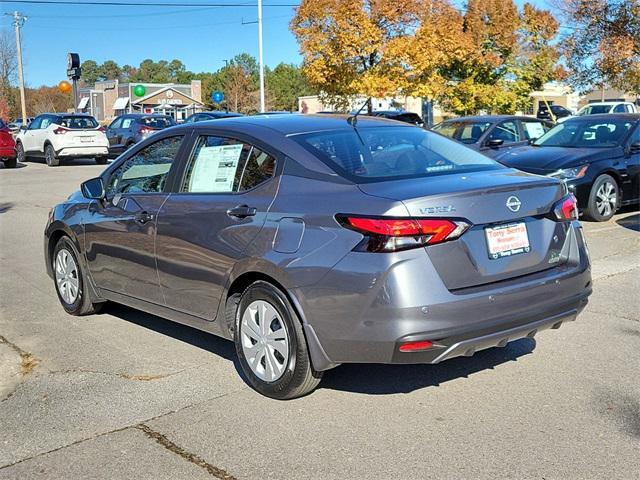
<point x="260" y="60"/>
<point x="18" y="21"/>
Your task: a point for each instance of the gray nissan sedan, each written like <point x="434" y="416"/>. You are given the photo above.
<point x="312" y="241"/>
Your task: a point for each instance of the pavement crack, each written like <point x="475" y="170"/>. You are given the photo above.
<point x="28" y="362"/>
<point x="188" y="456"/>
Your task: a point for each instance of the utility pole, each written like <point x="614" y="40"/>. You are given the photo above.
<point x="18" y="21"/>
<point x="262" y="107"/>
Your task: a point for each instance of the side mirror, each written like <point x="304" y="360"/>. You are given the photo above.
<point x="93" y="189"/>
<point x="495" y="142"/>
<point x="634" y="147"/>
<point x="531" y="140"/>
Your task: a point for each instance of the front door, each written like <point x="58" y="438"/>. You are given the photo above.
<point x="113" y="135"/>
<point x="30" y="136"/>
<point x="632" y="192"/>
<point x="207" y="225"/>
<point x="120" y="232"/>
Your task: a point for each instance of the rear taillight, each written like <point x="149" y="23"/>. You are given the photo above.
<point x="60" y="131"/>
<point x="384" y="234"/>
<point x="566" y="209"/>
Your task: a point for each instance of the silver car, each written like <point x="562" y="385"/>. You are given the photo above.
<point x="312" y="241"/>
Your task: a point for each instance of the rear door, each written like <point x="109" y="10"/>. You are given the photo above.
<point x="219" y="205"/>
<point x="120" y="232"/>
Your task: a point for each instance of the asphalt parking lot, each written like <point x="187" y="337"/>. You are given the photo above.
<point x="124" y="394"/>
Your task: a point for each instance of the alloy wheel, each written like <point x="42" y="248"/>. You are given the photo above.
<point x="606" y="199"/>
<point x="67" y="279"/>
<point x="264" y="339"/>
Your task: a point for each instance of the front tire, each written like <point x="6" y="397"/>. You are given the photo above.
<point x="70" y="280"/>
<point x="604" y="199"/>
<point x="101" y="160"/>
<point x="271" y="346"/>
<point x="50" y="156"/>
<point x="10" y="163"/>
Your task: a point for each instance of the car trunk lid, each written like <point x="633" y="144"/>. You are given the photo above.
<point x="504" y="200"/>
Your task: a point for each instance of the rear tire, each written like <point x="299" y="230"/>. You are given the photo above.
<point x="271" y="346"/>
<point x="20" y="154"/>
<point x="604" y="199"/>
<point x="10" y="163"/>
<point x="50" y="156"/>
<point x="71" y="281"/>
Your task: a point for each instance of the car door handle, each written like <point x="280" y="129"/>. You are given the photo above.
<point x="242" y="211"/>
<point x="143" y="217"/>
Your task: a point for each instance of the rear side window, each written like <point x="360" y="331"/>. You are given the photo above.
<point x="126" y="123"/>
<point x="225" y="165"/>
<point x="383" y="153"/>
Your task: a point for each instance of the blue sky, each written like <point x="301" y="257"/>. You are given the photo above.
<point x="202" y="37"/>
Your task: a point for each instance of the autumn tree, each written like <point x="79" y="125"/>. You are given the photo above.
<point x="8" y="72"/>
<point x="350" y="46"/>
<point x="603" y="48"/>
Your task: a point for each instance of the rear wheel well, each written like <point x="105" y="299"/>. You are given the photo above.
<point x="236" y="289"/>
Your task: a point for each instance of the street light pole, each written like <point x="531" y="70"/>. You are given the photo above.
<point x="262" y="107"/>
<point x="18" y="21"/>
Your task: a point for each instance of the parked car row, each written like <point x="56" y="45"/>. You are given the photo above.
<point x="598" y="156"/>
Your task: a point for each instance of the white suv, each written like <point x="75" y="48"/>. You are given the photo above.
<point x="603" y="107"/>
<point x="55" y="136"/>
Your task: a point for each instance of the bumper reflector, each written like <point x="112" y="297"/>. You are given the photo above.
<point x="416" y="346"/>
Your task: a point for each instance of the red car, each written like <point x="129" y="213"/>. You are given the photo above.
<point x="7" y="146"/>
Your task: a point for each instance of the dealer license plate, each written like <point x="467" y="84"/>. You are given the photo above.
<point x="507" y="240"/>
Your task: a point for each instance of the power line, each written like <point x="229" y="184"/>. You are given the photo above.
<point x="151" y="4"/>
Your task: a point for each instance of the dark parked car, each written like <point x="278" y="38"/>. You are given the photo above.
<point x="401" y="116"/>
<point x="213" y="115"/>
<point x="7" y="146"/>
<point x="493" y="134"/>
<point x="129" y="129"/>
<point x="312" y="243"/>
<point x="558" y="111"/>
<point x="598" y="156"/>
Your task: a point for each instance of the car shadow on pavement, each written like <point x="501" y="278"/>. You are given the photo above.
<point x="369" y="379"/>
<point x="388" y="379"/>
<point x="632" y="222"/>
<point x="197" y="338"/>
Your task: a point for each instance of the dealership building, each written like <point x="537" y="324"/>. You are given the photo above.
<point x="108" y="99"/>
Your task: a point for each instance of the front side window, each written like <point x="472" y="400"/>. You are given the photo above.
<point x="117" y="123"/>
<point x="506" y="131"/>
<point x="586" y="134"/>
<point x="224" y="165"/>
<point x="35" y="124"/>
<point x="147" y="170"/>
<point x="383" y="153"/>
<point x="533" y="129"/>
<point x="620" y="108"/>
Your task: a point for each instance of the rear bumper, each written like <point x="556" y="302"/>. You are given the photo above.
<point x="362" y="311"/>
<point x="7" y="152"/>
<point x="83" y="151"/>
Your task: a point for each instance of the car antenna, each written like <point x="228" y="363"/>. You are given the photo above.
<point x="353" y="119"/>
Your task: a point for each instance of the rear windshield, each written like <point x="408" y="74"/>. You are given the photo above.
<point x="78" y="122"/>
<point x="465" y="132"/>
<point x="384" y="153"/>
<point x="585" y="134"/>
<point x="157" y="122"/>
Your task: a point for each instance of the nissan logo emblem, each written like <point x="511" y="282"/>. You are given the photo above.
<point x="513" y="203"/>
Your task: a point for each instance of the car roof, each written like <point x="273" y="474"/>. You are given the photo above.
<point x="294" y="123"/>
<point x="604" y="117"/>
<point x="144" y="115"/>
<point x="611" y="102"/>
<point x="489" y="118"/>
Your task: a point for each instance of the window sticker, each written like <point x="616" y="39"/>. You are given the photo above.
<point x="534" y="130"/>
<point x="215" y="168"/>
